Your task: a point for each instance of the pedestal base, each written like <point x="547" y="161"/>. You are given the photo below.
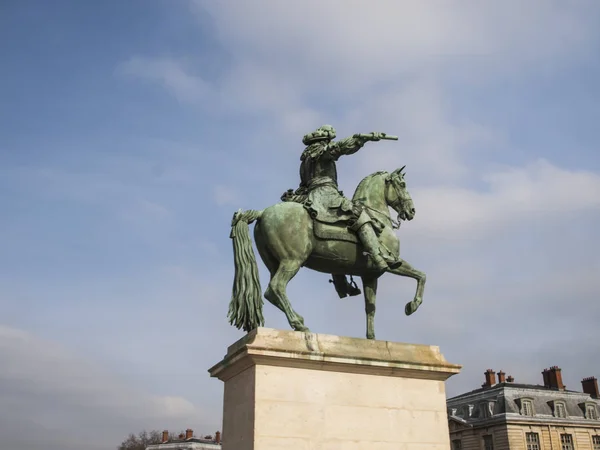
<point x="303" y="391"/>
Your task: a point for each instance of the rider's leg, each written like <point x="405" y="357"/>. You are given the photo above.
<point x="365" y="232"/>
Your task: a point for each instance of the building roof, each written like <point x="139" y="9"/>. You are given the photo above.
<point x="512" y="385"/>
<point x="505" y="401"/>
<point x="184" y="444"/>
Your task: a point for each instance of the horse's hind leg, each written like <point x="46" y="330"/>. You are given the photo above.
<point x="272" y="265"/>
<point x="276" y="293"/>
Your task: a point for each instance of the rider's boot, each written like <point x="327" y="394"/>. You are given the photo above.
<point x="343" y="287"/>
<point x="369" y="240"/>
<point x="364" y="229"/>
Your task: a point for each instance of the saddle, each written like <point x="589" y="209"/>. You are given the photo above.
<point x="334" y="232"/>
<point x="326" y="230"/>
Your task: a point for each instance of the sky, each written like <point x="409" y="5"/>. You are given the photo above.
<point x="130" y="132"/>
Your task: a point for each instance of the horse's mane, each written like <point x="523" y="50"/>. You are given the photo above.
<point x="365" y="182"/>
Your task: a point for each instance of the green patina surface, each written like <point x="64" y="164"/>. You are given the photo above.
<point x="317" y="227"/>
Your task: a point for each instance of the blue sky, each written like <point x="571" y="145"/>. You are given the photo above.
<point x="131" y="131"/>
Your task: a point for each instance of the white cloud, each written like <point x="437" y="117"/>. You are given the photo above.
<point x="49" y="369"/>
<point x="173" y="75"/>
<point x="43" y="382"/>
<point x="351" y="44"/>
<point x="434" y="142"/>
<point x="512" y="197"/>
<point x="383" y="67"/>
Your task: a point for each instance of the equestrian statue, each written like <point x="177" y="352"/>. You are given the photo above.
<point x="315" y="226"/>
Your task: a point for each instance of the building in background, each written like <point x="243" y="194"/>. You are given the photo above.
<point x="507" y="415"/>
<point x="187" y="441"/>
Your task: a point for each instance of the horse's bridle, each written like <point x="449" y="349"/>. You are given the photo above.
<point x="398" y="202"/>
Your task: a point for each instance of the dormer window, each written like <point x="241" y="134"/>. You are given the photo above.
<point x="560" y="410"/>
<point x="487" y="408"/>
<point x="527" y="407"/>
<point x="591" y="412"/>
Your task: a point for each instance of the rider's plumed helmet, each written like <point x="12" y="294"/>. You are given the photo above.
<point x="326" y="132"/>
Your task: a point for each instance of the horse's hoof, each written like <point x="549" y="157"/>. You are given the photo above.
<point x="411" y="307"/>
<point x="372" y="336"/>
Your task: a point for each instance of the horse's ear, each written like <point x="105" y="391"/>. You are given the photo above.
<point x="399" y="171"/>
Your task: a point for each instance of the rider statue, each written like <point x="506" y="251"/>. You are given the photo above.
<point x="319" y="193"/>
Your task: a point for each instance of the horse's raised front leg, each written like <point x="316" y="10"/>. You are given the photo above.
<point x="406" y="270"/>
<point x="370" y="290"/>
<point x="276" y="293"/>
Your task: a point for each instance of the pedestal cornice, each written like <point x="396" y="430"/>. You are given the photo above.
<point x="266" y="346"/>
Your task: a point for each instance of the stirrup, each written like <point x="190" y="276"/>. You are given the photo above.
<point x="352" y="288"/>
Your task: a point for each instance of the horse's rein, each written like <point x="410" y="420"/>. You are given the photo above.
<point x="395" y="225"/>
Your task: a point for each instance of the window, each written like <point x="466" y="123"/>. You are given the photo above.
<point x="560" y="410"/>
<point x="488" y="443"/>
<point x="487" y="409"/>
<point x="591" y="412"/>
<point x="533" y="441"/>
<point x="457" y="444"/>
<point x="596" y="442"/>
<point x="527" y="408"/>
<point x="566" y="441"/>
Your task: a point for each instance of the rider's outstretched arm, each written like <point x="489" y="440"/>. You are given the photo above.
<point x="347" y="146"/>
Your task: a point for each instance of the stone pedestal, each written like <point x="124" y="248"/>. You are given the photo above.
<point x="287" y="390"/>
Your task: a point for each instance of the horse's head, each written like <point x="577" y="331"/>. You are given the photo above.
<point x="397" y="196"/>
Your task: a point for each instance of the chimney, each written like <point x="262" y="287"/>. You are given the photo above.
<point x="546" y="375"/>
<point x="181" y="435"/>
<point x="555" y="377"/>
<point x="165" y="436"/>
<point x="218" y="437"/>
<point x="590" y="386"/>
<point x="501" y="377"/>
<point x="188" y="433"/>
<point x="490" y="378"/>
<point x="510" y="379"/>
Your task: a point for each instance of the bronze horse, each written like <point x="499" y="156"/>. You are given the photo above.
<point x="286" y="241"/>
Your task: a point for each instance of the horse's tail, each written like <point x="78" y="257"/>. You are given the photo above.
<point x="245" y="306"/>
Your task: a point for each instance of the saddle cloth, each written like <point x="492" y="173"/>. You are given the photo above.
<point x="335" y="232"/>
